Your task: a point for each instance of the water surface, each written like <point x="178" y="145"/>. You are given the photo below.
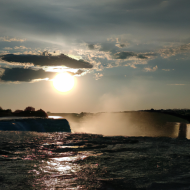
<point x="31" y="160"/>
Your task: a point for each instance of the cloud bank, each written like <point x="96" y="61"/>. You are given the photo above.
<point x="24" y="75"/>
<point x="27" y="67"/>
<point x="41" y="60"/>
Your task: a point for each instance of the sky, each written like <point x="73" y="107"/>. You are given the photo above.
<point x="124" y="54"/>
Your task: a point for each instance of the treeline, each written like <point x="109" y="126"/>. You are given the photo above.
<point x="182" y="113"/>
<point x="27" y="112"/>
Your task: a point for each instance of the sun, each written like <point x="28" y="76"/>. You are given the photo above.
<point x="63" y="82"/>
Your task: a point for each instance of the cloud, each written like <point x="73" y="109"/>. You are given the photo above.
<point x="1" y="71"/>
<point x="106" y="58"/>
<point x="166" y="69"/>
<point x="174" y="50"/>
<point x="98" y="76"/>
<point x="8" y="39"/>
<point x="3" y="53"/>
<point x="121" y="45"/>
<point x="148" y="69"/>
<point x="48" y="60"/>
<point x="124" y="55"/>
<point x="128" y="55"/>
<point x="79" y="72"/>
<point x="24" y="75"/>
<point x="91" y="46"/>
<point x="132" y="58"/>
<point x="20" y="47"/>
<point x="141" y="56"/>
<point x="7" y="48"/>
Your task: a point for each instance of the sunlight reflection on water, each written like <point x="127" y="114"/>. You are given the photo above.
<point x="60" y="171"/>
<point x="55" y="117"/>
<point x="69" y="159"/>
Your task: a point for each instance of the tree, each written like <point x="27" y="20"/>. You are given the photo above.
<point x="29" y="108"/>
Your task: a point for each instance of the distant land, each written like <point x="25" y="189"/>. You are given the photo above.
<point x="181" y="113"/>
<point x="27" y="112"/>
<point x="30" y="112"/>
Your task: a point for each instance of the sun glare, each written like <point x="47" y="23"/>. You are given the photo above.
<point x="63" y="82"/>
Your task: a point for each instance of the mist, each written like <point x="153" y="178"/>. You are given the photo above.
<point x="126" y="124"/>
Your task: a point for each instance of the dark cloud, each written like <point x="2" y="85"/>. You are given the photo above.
<point x="121" y="45"/>
<point x="128" y="54"/>
<point x="146" y="55"/>
<point x="124" y="55"/>
<point x="150" y="54"/>
<point x="91" y="46"/>
<point x="79" y="72"/>
<point x="48" y="60"/>
<point x="140" y="56"/>
<point x="24" y="75"/>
